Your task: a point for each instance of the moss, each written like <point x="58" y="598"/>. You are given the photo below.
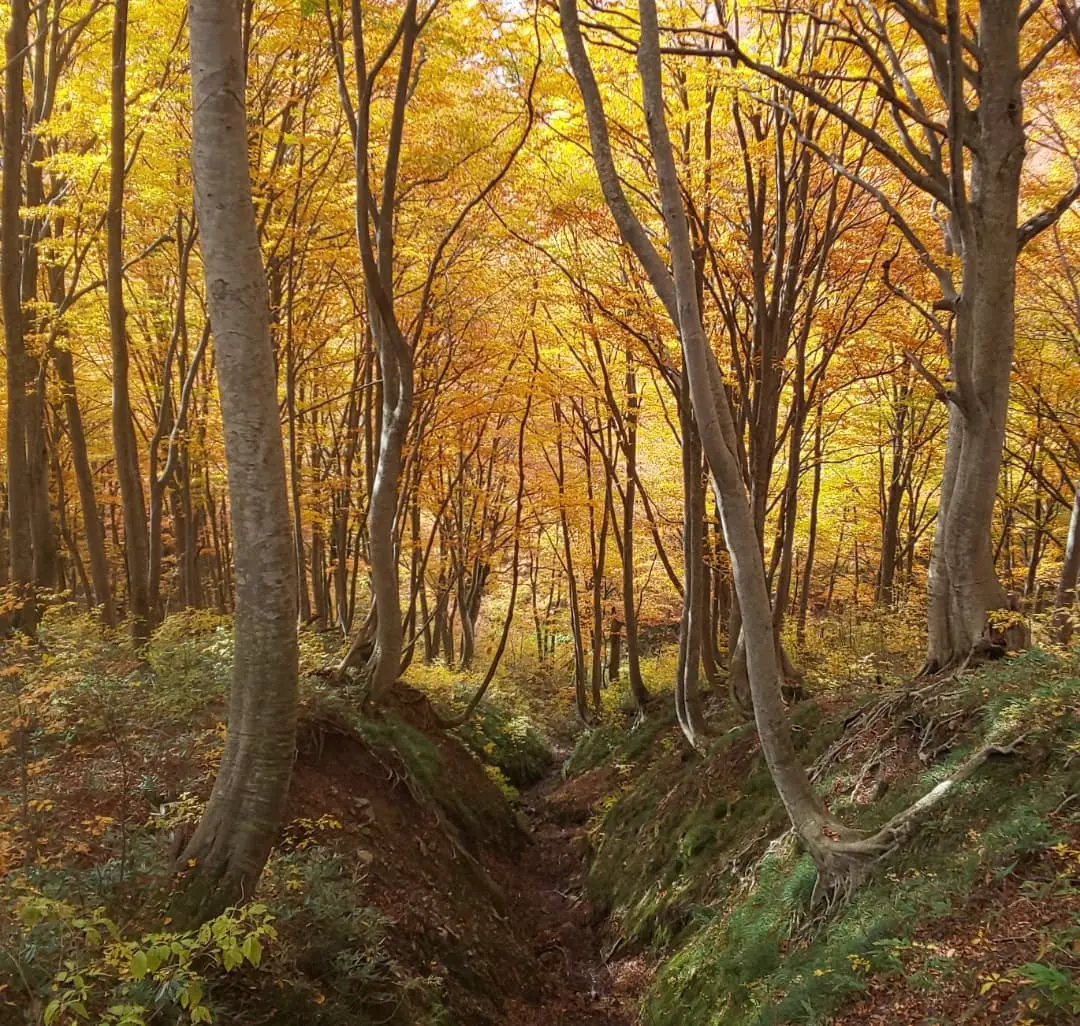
<point x="674" y="855"/>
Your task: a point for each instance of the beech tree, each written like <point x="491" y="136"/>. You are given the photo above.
<point x="968" y="163"/>
<point x="842" y="856"/>
<point x="233" y="839"/>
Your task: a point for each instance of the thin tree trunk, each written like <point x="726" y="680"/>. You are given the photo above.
<point x="84" y="479"/>
<point x="633" y="654"/>
<point x="687" y="694"/>
<point x="811" y="542"/>
<point x="128" y="471"/>
<point x="1065" y="598"/>
<point x="580" y="687"/>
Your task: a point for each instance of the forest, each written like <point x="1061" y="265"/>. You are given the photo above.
<point x="540" y="511"/>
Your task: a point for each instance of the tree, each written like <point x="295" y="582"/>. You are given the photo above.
<point x="843" y="858"/>
<point x="136" y="538"/>
<point x="234" y="837"/>
<point x="18" y="484"/>
<point x="969" y="165"/>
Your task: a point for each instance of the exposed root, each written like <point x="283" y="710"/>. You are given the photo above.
<point x="844" y="865"/>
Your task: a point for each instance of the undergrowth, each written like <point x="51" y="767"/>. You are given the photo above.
<point x="107" y="756"/>
<point x="694" y="861"/>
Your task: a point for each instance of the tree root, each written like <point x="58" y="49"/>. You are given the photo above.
<point x="845" y="864"/>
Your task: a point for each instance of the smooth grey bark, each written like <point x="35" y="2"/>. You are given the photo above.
<point x="972" y="174"/>
<point x="963" y="584"/>
<point x="712" y="412"/>
<point x="843" y="859"/>
<point x="393" y="352"/>
<point x="1065" y="598"/>
<point x="234" y="837"/>
<point x="128" y="471"/>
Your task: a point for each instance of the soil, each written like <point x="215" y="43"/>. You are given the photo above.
<point x="573" y="983"/>
<point x="496" y="907"/>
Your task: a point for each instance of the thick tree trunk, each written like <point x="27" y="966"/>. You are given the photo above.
<point x="128" y="470"/>
<point x="964" y="586"/>
<point x="245" y="809"/>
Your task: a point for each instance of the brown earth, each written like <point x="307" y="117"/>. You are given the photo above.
<point x="496" y="907"/>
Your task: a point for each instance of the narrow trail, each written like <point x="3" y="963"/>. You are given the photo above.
<point x="573" y="984"/>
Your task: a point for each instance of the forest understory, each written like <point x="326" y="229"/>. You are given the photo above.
<point x="517" y="870"/>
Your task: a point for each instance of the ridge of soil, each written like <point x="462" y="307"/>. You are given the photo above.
<point x="491" y="902"/>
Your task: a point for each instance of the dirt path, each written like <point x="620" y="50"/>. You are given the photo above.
<point x="573" y="984"/>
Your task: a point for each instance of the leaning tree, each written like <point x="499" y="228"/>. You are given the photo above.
<point x="843" y="857"/>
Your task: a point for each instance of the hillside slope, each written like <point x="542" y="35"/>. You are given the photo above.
<point x="977" y="920"/>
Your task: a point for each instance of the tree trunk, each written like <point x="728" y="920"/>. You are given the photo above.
<point x="18" y="373"/>
<point x="811" y="542"/>
<point x="84" y="478"/>
<point x="46" y="568"/>
<point x="1065" y="599"/>
<point x="687" y="694"/>
<point x="580" y="688"/>
<point x="128" y="471"/>
<point x="599" y="547"/>
<point x="633" y="655"/>
<point x="890" y="527"/>
<point x="963" y="585"/>
<point x="247" y="804"/>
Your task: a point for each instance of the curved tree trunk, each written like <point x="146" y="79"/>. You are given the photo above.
<point x="963" y="585"/>
<point x="391" y="348"/>
<point x="234" y="837"/>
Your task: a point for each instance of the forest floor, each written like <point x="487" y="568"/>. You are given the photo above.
<point x="575" y="984"/>
<point x="478" y="878"/>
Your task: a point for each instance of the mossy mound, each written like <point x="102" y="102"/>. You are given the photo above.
<point x="695" y="864"/>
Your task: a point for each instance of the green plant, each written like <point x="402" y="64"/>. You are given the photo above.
<point x="1055" y="984"/>
<point x="121" y="981"/>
